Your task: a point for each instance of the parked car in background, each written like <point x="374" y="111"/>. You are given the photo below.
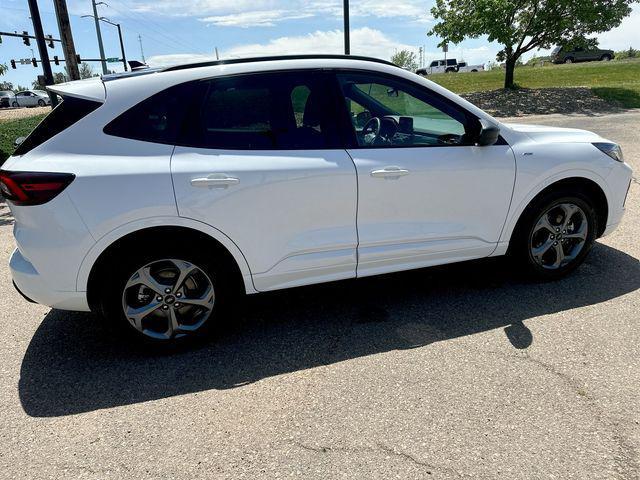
<point x="580" y="54"/>
<point x="31" y="98"/>
<point x="463" y="67"/>
<point x="439" y="66"/>
<point x="6" y="98"/>
<point x="449" y="65"/>
<point x="252" y="175"/>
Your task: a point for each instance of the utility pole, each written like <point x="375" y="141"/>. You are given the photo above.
<point x="42" y="48"/>
<point x="100" y="46"/>
<point x="68" y="47"/>
<point x="347" y="41"/>
<point x="124" y="58"/>
<point x="141" y="51"/>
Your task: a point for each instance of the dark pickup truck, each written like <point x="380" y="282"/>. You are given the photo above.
<point x="562" y="55"/>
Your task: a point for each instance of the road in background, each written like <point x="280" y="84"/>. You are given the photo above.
<point x="452" y="372"/>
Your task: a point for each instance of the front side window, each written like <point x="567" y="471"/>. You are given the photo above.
<point x="287" y="110"/>
<point x="388" y="112"/>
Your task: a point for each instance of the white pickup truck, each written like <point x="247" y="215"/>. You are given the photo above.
<point x="447" y="66"/>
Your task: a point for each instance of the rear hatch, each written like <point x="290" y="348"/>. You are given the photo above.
<point x="78" y="100"/>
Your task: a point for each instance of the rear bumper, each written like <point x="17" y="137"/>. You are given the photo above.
<point x="30" y="284"/>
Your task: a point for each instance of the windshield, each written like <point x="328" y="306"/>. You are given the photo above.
<point x="555" y="50"/>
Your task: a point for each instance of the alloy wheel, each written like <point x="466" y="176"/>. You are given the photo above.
<point x="168" y="299"/>
<point x="558" y="236"/>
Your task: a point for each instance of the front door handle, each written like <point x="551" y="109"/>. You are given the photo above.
<point x="390" y="172"/>
<point x="215" y="180"/>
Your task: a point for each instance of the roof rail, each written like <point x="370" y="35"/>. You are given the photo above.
<point x="232" y="61"/>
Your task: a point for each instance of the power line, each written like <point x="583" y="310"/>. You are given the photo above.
<point x="157" y="29"/>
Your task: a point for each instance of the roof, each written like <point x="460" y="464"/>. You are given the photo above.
<point x="232" y="61"/>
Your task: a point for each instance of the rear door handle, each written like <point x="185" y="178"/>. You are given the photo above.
<point x="390" y="172"/>
<point x="215" y="180"/>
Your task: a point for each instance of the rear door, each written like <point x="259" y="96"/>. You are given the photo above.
<point x="261" y="161"/>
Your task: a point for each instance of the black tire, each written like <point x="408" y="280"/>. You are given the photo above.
<point x="568" y="60"/>
<point x="520" y="247"/>
<point x="14" y="104"/>
<point x="115" y="277"/>
<point x="41" y="103"/>
<point x="605" y="58"/>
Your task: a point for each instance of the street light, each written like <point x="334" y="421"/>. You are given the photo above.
<point x="124" y="58"/>
<point x="106" y="20"/>
<point x="347" y="42"/>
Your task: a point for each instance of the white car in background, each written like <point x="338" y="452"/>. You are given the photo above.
<point x="31" y="98"/>
<point x="153" y="197"/>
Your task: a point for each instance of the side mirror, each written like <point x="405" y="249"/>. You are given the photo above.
<point x="392" y="92"/>
<point x="488" y="135"/>
<point x="18" y="141"/>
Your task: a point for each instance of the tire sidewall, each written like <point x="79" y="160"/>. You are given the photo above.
<point x="522" y="235"/>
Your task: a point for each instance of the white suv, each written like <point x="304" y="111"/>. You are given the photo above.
<point x="153" y="197"/>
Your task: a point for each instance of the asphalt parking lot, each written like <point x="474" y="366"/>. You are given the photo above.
<point x="466" y="371"/>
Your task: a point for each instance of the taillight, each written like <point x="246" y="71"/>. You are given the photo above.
<point x="32" y="188"/>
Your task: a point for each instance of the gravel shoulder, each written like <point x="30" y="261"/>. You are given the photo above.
<point x="14" y="113"/>
<point x="527" y="101"/>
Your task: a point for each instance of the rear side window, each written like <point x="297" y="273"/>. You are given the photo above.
<point x="68" y="112"/>
<point x="157" y="119"/>
<point x="286" y="110"/>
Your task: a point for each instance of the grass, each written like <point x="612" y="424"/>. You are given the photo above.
<point x="12" y="129"/>
<point x="618" y="81"/>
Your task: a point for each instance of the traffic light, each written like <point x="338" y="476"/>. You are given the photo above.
<point x="34" y="62"/>
<point x="50" y="42"/>
<point x="13" y="64"/>
<point x="25" y="38"/>
<point x="55" y="60"/>
<point x="78" y="58"/>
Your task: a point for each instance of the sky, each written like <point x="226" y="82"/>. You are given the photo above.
<point x="174" y="31"/>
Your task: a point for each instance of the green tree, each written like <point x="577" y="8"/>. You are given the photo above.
<point x="86" y="70"/>
<point x="405" y="59"/>
<point x="580" y="41"/>
<point x="523" y="25"/>
<point x="3" y="68"/>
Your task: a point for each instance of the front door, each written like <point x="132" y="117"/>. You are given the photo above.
<point x="426" y="194"/>
<point x="262" y="163"/>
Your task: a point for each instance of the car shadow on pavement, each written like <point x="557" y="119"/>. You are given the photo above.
<point x="72" y="366"/>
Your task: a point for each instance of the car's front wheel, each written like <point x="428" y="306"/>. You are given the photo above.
<point x="555" y="234"/>
<point x="163" y="298"/>
<point x="568" y="60"/>
<point x="14" y="104"/>
<point x="41" y="103"/>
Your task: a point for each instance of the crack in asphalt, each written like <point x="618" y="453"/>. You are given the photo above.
<point x="430" y="468"/>
<point x="627" y="463"/>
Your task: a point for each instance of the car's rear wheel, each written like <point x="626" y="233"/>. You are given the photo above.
<point x="605" y="58"/>
<point x="14" y="104"/>
<point x="165" y="297"/>
<point x="555" y="234"/>
<point x="41" y="103"/>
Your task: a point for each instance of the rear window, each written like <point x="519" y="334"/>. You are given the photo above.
<point x="68" y="112"/>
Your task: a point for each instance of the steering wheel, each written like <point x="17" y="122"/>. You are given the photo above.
<point x="371" y="131"/>
<point x="449" y="139"/>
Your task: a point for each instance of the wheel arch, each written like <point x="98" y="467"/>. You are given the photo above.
<point x="128" y="235"/>
<point x="579" y="183"/>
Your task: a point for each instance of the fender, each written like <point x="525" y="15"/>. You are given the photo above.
<point x="103" y="243"/>
<point x="517" y="210"/>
